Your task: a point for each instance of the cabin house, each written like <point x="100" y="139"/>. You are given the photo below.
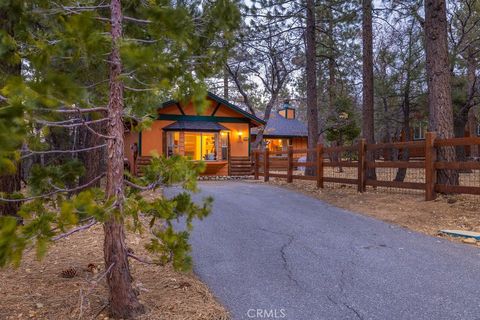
<point x="219" y="136"/>
<point x="283" y="129"/>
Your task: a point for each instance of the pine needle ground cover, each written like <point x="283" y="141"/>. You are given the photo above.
<point x="47" y="289"/>
<point x="407" y="210"/>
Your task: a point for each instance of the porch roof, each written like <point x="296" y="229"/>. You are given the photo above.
<point x="205" y="126"/>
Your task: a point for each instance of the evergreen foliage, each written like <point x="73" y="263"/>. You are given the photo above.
<point x="167" y="50"/>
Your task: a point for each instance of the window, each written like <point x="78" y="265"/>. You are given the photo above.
<point x="419" y="132"/>
<point x="224" y="136"/>
<point x="277" y="144"/>
<point x="173" y="142"/>
<point x="478" y="130"/>
<point x="201" y="145"/>
<point x="207" y="146"/>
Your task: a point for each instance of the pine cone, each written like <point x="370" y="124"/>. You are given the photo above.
<point x="69" y="272"/>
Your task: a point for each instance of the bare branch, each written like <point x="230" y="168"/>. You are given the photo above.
<point x="86" y="185"/>
<point x="76" y="110"/>
<point x="65" y="124"/>
<point x="33" y="152"/>
<point x="142" y="21"/>
<point x="75" y="230"/>
<point x="149" y="187"/>
<point x="144" y="260"/>
<point x="137" y="89"/>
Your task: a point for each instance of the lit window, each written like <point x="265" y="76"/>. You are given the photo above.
<point x="201" y="145"/>
<point x="224" y="143"/>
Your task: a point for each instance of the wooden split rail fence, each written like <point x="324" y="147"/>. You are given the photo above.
<point x="366" y="159"/>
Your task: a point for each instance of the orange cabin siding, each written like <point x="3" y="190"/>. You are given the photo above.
<point x="151" y="141"/>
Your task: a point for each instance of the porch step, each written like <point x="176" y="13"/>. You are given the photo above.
<point x="141" y="162"/>
<point x="240" y="166"/>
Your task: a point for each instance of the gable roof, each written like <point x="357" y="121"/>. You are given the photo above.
<point x="278" y="127"/>
<point x="226" y="103"/>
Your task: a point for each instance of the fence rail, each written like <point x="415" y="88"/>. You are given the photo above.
<point x="364" y="161"/>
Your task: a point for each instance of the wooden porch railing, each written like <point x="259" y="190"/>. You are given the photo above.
<point x="283" y="164"/>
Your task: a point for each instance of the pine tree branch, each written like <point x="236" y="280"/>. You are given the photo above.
<point x="138" y="89"/>
<point x="33" y="152"/>
<point x="65" y="124"/>
<point x="149" y="187"/>
<point x="142" y="21"/>
<point x="93" y="131"/>
<point x="143" y="260"/>
<point x="76" y="110"/>
<point x="75" y="230"/>
<point x="86" y="185"/>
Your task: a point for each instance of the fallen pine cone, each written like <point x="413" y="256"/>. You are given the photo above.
<point x="69" y="273"/>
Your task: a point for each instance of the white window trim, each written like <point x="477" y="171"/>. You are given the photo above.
<point x="421" y="131"/>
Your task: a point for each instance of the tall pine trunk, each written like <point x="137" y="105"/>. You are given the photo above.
<point x="367" y="106"/>
<point x="9" y="183"/>
<point x="405" y="156"/>
<point x="93" y="160"/>
<point x="438" y="80"/>
<point x="123" y="300"/>
<point x="470" y="118"/>
<point x="311" y="71"/>
<point x="473" y="120"/>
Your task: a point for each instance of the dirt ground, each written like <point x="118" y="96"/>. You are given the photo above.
<point x="407" y="209"/>
<point x="36" y="290"/>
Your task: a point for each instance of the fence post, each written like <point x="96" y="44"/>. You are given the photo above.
<point x="266" y="165"/>
<point x="256" y="165"/>
<point x="319" y="165"/>
<point x="430" y="173"/>
<point x="362" y="168"/>
<point x="290" y="164"/>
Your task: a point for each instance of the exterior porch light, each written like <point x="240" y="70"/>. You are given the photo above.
<point x="240" y="133"/>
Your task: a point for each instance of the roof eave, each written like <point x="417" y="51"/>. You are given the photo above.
<point x="213" y="96"/>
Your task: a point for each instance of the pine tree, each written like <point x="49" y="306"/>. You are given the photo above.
<point x="93" y="65"/>
<point x="439" y="85"/>
<point x="367" y="101"/>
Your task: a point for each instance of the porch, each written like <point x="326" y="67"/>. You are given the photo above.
<point x="235" y="166"/>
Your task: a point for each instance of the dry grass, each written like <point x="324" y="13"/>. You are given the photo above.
<point x="407" y="210"/>
<point x="37" y="291"/>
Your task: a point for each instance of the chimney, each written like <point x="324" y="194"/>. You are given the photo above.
<point x="287" y="111"/>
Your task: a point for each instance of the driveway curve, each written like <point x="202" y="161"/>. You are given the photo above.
<point x="270" y="253"/>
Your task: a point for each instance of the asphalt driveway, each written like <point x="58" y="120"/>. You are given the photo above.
<point x="269" y="253"/>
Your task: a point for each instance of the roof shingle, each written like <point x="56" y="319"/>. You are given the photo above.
<point x="278" y="126"/>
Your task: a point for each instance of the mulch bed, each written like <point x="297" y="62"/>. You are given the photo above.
<point x="37" y="290"/>
<point x="409" y="210"/>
